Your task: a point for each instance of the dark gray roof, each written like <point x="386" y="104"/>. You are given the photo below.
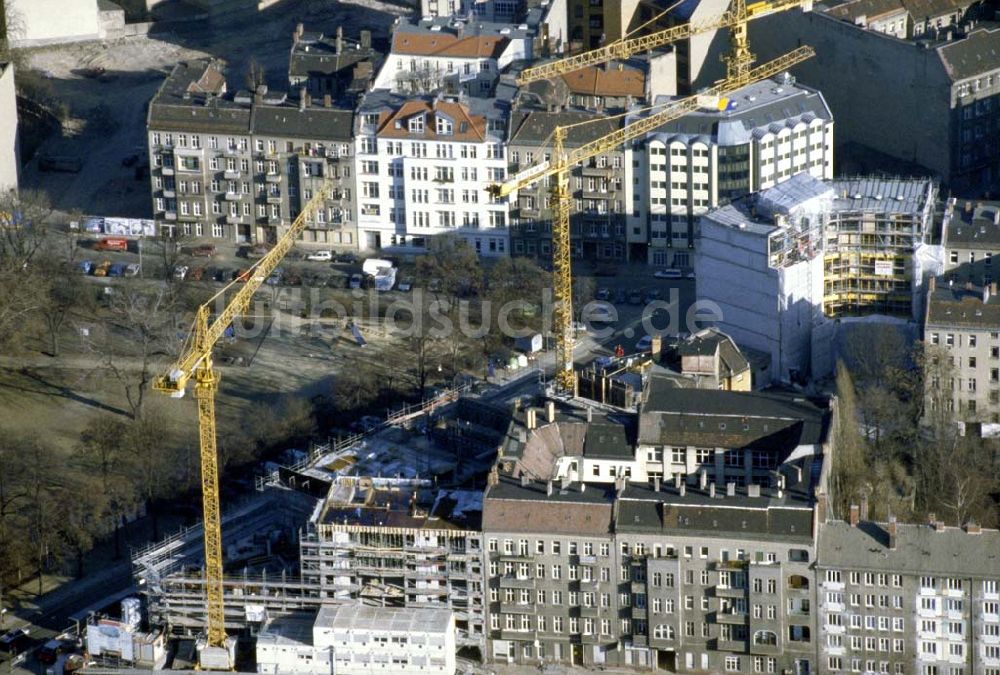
<point x="640" y="509"/>
<point x="710" y="341"/>
<point x="610" y="438"/>
<point x="510" y="507"/>
<point x="728" y="419"/>
<point x="191" y="99"/>
<point x="534" y="128"/>
<point x="962" y="306"/>
<point x="978" y="53"/>
<point x="313" y="122"/>
<point x="314" y="54"/>
<point x="976" y="228"/>
<point x="920" y="549"/>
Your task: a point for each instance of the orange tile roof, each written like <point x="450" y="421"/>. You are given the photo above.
<point x="475" y="131"/>
<point x="595" y="81"/>
<point x="446" y="44"/>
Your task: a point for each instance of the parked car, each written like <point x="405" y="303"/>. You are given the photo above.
<point x="132" y="269"/>
<point x="667" y="274"/>
<point x="621" y="297"/>
<point x="644" y="344"/>
<point x="635" y="297"/>
<point x="292" y="279"/>
<point x="653" y="294"/>
<point x="405" y="286"/>
<point x="117" y="269"/>
<point x="85" y="266"/>
<point x="258" y="251"/>
<point x="15" y="641"/>
<point x="197" y="273"/>
<point x="355" y="281"/>
<point x="222" y="275"/>
<point x="347" y="257"/>
<point x="603" y="293"/>
<point x="181" y="272"/>
<point x="320" y="256"/>
<point x="242" y="275"/>
<point x="102" y="269"/>
<point x="275" y="278"/>
<point x="204" y="251"/>
<point x="598" y="311"/>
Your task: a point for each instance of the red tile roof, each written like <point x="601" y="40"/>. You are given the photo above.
<point x="446" y="44"/>
<point x="466" y="127"/>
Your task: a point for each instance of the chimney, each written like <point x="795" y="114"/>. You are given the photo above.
<point x="730" y="489"/>
<point x="590" y="415"/>
<point x="753" y="490"/>
<point x="893" y="531"/>
<point x="864" y="507"/>
<point x="366" y="39"/>
<point x="299" y="30"/>
<point x="711" y="490"/>
<point x="973" y="528"/>
<point x="524" y="480"/>
<point x="529" y="418"/>
<point x="656" y="346"/>
<point x="931" y="284"/>
<point x="303" y="94"/>
<point x="656" y="483"/>
<point x="327" y="101"/>
<point x="703" y="479"/>
<point x="460" y="29"/>
<point x="548" y="488"/>
<point x="340" y="39"/>
<point x="855" y="515"/>
<point x="550" y="411"/>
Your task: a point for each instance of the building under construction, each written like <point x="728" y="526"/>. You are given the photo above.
<point x="785" y="264"/>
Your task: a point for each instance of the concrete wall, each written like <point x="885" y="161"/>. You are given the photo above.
<point x="41" y="22"/>
<point x="885" y="93"/>
<point x="9" y="146"/>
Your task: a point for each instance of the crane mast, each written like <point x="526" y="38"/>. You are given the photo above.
<point x="196" y="361"/>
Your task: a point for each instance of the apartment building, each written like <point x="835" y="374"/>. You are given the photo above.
<point x="771" y="131"/>
<point x="906" y="19"/>
<point x="599" y="188"/>
<point x="241" y="167"/>
<point x="712" y="360"/>
<point x="792" y="266"/>
<point x="423" y="167"/>
<point x="944" y="91"/>
<point x="450" y="55"/>
<point x="10" y="157"/>
<point x="965" y="321"/>
<point x="908" y="599"/>
<point x="399" y="543"/>
<point x="659" y="539"/>
<point x="336" y="65"/>
<point x="612" y="87"/>
<point x="970" y="237"/>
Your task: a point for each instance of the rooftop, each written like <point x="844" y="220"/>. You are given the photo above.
<point x="712" y="341"/>
<point x="883" y="195"/>
<point x="974" y="225"/>
<point x="383" y="619"/>
<point x="411" y="503"/>
<point x="318" y="54"/>
<point x="919" y="550"/>
<point x="963" y="305"/>
<point x="871" y="10"/>
<point x="464" y="125"/>
<point x="535" y="128"/>
<point x="613" y="80"/>
<point x="293" y="629"/>
<point x="573" y="508"/>
<point x="443" y="37"/>
<point x="978" y="53"/>
<point x="758" y="109"/>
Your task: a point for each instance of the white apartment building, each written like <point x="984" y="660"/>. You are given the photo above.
<point x="769" y="131"/>
<point x="908" y="599"/>
<point x="358" y="640"/>
<point x="422" y="168"/>
<point x="438" y="54"/>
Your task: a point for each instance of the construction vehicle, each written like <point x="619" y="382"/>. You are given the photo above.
<point x="562" y="160"/>
<point x="195" y="362"/>
<point x="738" y="61"/>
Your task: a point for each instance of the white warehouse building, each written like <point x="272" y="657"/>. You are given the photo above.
<point x="359" y="640"/>
<point x="768" y="132"/>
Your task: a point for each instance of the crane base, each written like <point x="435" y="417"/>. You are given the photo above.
<point x="218" y="658"/>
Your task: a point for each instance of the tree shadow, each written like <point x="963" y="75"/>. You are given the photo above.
<point x="50" y="389"/>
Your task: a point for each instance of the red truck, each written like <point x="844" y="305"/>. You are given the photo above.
<point x="111" y="244"/>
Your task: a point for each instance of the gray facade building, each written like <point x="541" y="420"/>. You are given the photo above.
<point x="902" y="599"/>
<point x="241" y="167"/>
<point x="970" y="237"/>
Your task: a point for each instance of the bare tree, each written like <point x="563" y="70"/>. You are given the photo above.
<point x="255" y="75"/>
<point x="22" y="237"/>
<point x="850" y="470"/>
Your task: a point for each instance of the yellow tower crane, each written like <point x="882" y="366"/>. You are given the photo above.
<point x="196" y="361"/>
<point x="559" y="166"/>
<point x="739" y="61"/>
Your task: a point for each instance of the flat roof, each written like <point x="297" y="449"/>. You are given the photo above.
<point x="383" y="619"/>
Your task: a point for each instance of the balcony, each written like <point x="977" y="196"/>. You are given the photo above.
<point x="170" y="215"/>
<point x="231" y="174"/>
<point x="273" y="178"/>
<point x="523" y="635"/>
<point x="514" y="582"/>
<point x="232" y="220"/>
<point x="512" y="557"/>
<point x="233" y="151"/>
<point x="729" y="592"/>
<point x="231" y="196"/>
<point x="732" y="618"/>
<point x="274" y="199"/>
<point x="167" y="170"/>
<point x="639" y="613"/>
<point x="594" y="611"/>
<point x="769" y="650"/>
<point x="517" y="608"/>
<point x="640" y="640"/>
<point x="733" y="646"/>
<point x="274" y="220"/>
<point x="603" y="172"/>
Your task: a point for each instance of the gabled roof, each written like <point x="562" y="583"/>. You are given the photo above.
<point x="930" y="9"/>
<point x="448" y="45"/>
<point x="978" y="53"/>
<point x="466" y="127"/>
<point x="597" y="81"/>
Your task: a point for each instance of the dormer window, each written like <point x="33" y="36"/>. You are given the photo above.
<point x="417" y="124"/>
<point x="443" y="126"/>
